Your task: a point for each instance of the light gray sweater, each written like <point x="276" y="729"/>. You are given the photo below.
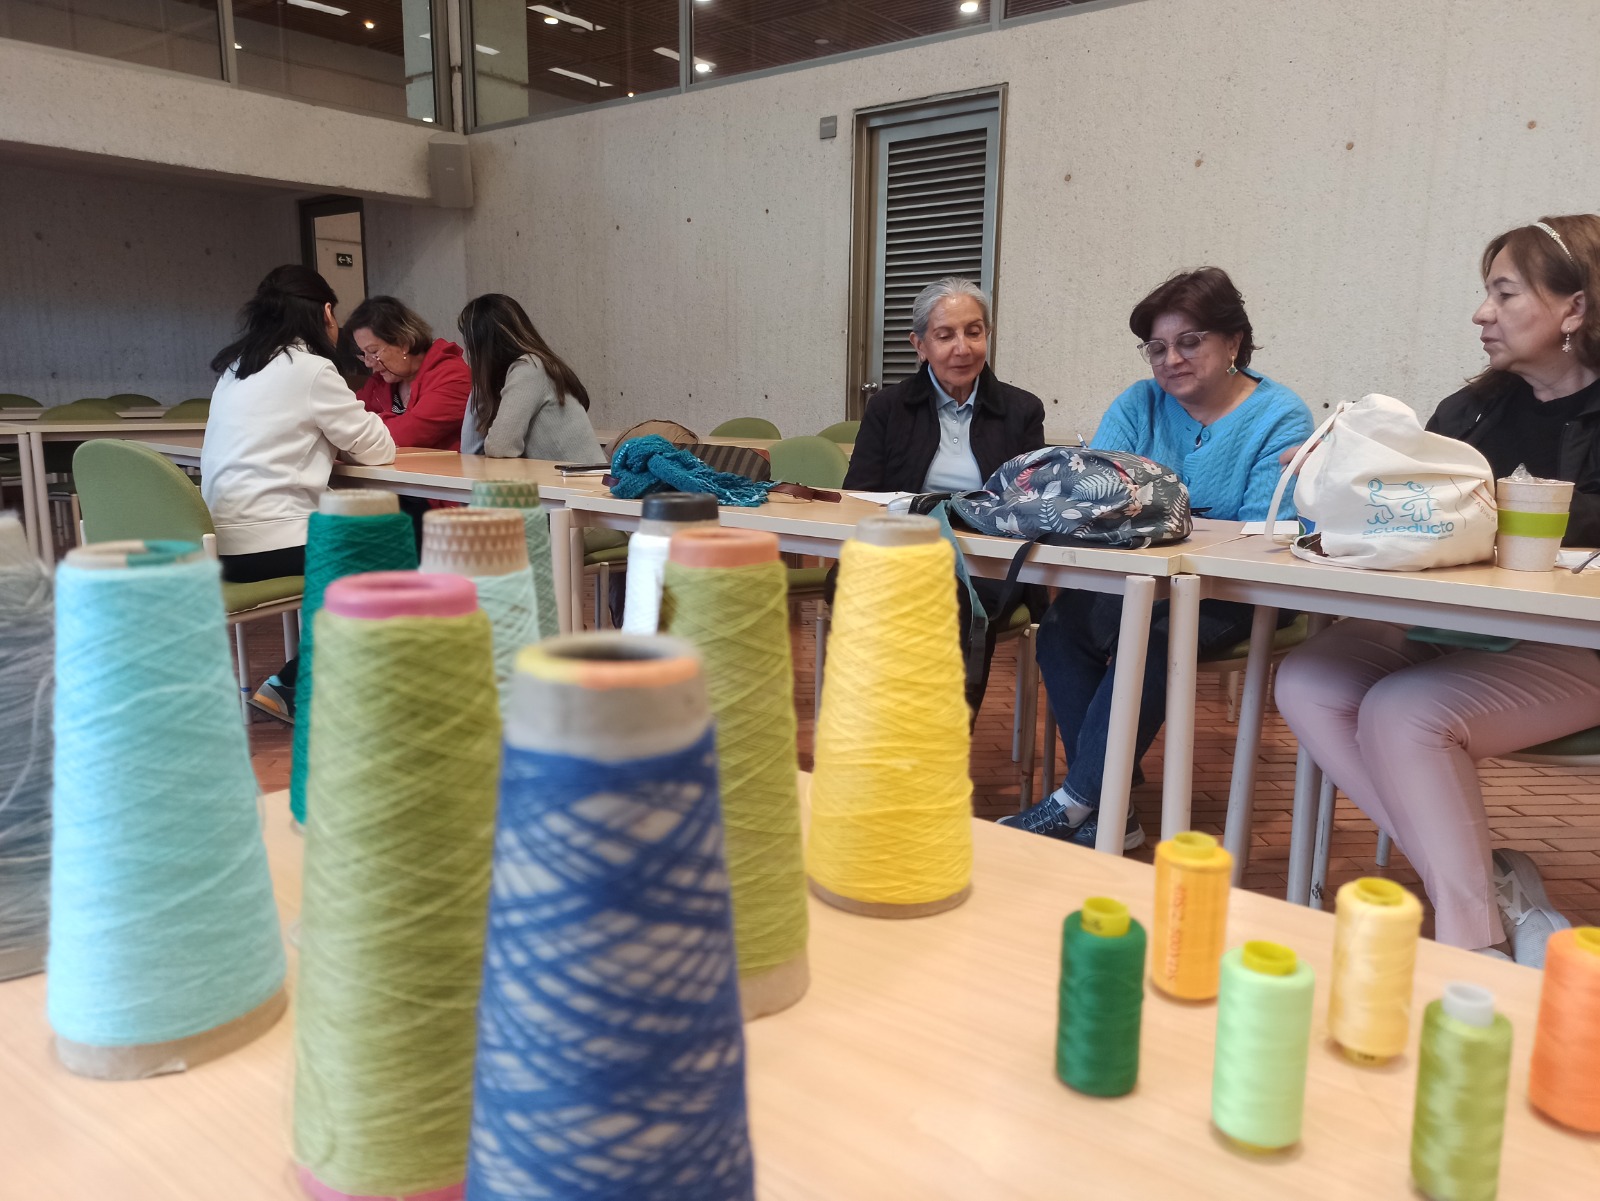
<point x="533" y="423"/>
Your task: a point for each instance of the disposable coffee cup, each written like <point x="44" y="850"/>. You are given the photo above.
<point x="1533" y="520"/>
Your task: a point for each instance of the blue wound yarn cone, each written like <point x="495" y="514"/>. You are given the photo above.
<point x="610" y="1051"/>
<point x="164" y="942"/>
<point x="355" y="530"/>
<point x="27" y="647"/>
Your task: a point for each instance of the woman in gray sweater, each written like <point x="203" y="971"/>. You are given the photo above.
<point x="526" y="402"/>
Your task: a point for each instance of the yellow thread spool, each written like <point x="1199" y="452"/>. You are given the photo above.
<point x="1193" y="880"/>
<point x="891" y="800"/>
<point x="1374" y="955"/>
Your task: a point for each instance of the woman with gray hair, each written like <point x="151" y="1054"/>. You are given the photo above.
<point x="952" y="424"/>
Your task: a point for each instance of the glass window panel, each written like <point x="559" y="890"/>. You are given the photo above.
<point x="177" y="35"/>
<point x="1021" y="8"/>
<point x="532" y="59"/>
<point x="735" y="36"/>
<point x="375" y="55"/>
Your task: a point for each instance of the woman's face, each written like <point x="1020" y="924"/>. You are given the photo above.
<point x="956" y="344"/>
<point x="1193" y="374"/>
<point x="391" y="363"/>
<point x="1521" y="324"/>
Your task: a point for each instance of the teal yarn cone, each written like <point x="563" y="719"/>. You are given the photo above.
<point x="27" y="646"/>
<point x="163" y="924"/>
<point x="1101" y="999"/>
<point x="1463" y="1073"/>
<point x="1258" y="1081"/>
<point x="363" y="531"/>
<point x="510" y="494"/>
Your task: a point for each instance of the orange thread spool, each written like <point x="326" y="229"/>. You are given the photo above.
<point x="1193" y="877"/>
<point x="1565" y="1080"/>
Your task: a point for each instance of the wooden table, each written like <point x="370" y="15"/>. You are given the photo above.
<point x="920" y="1066"/>
<point x="1553" y="606"/>
<point x="138" y="413"/>
<point x="30" y="439"/>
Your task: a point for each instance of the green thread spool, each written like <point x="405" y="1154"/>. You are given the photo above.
<point x="355" y="530"/>
<point x="1101" y="998"/>
<point x="1463" y="1073"/>
<point x="403" y="785"/>
<point x="1258" y="1080"/>
<point x="726" y="592"/>
<point x="514" y="494"/>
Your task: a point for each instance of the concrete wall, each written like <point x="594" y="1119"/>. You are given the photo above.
<point x="126" y="285"/>
<point x="419" y="255"/>
<point x="1345" y="161"/>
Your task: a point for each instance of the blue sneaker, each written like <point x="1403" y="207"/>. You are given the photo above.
<point x="1084" y="835"/>
<point x="1052" y="817"/>
<point x="275" y="698"/>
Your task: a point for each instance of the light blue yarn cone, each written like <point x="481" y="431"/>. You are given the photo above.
<point x="162" y="919"/>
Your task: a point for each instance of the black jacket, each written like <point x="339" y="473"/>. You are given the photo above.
<point x="899" y="434"/>
<point x="1472" y="415"/>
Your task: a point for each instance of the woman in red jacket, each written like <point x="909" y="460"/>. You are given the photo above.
<point x="419" y="383"/>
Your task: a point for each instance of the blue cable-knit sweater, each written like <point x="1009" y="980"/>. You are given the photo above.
<point x="1233" y="468"/>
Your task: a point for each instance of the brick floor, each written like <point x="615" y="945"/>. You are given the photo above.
<point x="1551" y="813"/>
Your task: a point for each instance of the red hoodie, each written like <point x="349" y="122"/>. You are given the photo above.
<point x="438" y="400"/>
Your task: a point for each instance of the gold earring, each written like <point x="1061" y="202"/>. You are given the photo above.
<point x="1232" y="370"/>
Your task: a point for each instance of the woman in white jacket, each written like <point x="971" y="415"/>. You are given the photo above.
<point x="279" y="414"/>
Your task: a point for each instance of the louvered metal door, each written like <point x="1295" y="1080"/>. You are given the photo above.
<point x="937" y="191"/>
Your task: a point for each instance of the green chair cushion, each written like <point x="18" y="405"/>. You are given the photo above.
<point x="807" y="579"/>
<point x="1289" y="637"/>
<point x="1584" y="742"/>
<point x="595" y="538"/>
<point x="611" y="554"/>
<point x="841" y="431"/>
<point x="747" y="427"/>
<point x="238" y="598"/>
<point x="810" y="460"/>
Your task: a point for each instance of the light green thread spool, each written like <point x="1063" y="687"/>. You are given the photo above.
<point x="404" y="756"/>
<point x="1258" y="1083"/>
<point x="511" y="494"/>
<point x="1463" y="1072"/>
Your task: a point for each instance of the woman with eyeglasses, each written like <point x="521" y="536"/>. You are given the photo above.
<point x="1221" y="426"/>
<point x="419" y="383"/>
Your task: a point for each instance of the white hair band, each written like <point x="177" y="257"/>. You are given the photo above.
<point x="1558" y="241"/>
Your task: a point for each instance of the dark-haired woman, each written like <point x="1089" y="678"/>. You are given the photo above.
<point x="526" y="402"/>
<point x="419" y="383"/>
<point x="1400" y="724"/>
<point x="279" y="414"/>
<point x="1221" y="427"/>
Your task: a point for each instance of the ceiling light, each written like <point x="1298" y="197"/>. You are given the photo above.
<point x="599" y="83"/>
<point x="702" y="66"/>
<point x="369" y="24"/>
<point x="969" y="6"/>
<point x="236" y="46"/>
<point x="321" y="8"/>
<point x="428" y="37"/>
<point x="553" y="16"/>
<point x="630" y="93"/>
<point x="428" y="119"/>
<point x="485" y="49"/>
<point x="672" y="54"/>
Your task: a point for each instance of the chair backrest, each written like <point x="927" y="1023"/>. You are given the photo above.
<point x="132" y="400"/>
<point x="747" y="427"/>
<point x="127" y="490"/>
<point x="741" y="460"/>
<point x="678" y="435"/>
<point x="13" y="400"/>
<point x="843" y="432"/>
<point x="91" y="409"/>
<point x="808" y="459"/>
<point x="197" y="409"/>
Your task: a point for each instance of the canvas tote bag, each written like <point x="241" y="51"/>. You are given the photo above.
<point x="1377" y="490"/>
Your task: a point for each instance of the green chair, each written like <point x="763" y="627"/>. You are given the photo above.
<point x="123" y="401"/>
<point x="198" y="409"/>
<point x="604" y="551"/>
<point x="94" y="408"/>
<point x="809" y="459"/>
<point x="127" y="490"/>
<point x="843" y="432"/>
<point x="747" y="427"/>
<point x="14" y="400"/>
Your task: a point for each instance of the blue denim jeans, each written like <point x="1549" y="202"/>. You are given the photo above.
<point x="1076" y="649"/>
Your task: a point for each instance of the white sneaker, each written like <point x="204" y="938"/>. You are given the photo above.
<point x="1525" y="908"/>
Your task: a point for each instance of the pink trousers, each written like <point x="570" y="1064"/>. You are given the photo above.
<point x="1400" y="725"/>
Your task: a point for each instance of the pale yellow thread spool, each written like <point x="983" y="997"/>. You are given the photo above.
<point x="1374" y="955"/>
<point x="1193" y="880"/>
<point x="891" y="800"/>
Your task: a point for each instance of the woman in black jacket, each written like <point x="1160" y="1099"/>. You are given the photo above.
<point x="951" y="425"/>
<point x="1400" y="724"/>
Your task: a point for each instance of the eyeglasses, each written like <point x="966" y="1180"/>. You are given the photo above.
<point x="1188" y="346"/>
<point x="375" y="355"/>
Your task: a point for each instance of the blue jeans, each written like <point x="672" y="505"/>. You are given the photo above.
<point x="1076" y="648"/>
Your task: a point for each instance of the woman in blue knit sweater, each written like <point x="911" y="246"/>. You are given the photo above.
<point x="1222" y="427"/>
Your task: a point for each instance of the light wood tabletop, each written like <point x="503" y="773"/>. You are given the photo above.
<point x="918" y="1066"/>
